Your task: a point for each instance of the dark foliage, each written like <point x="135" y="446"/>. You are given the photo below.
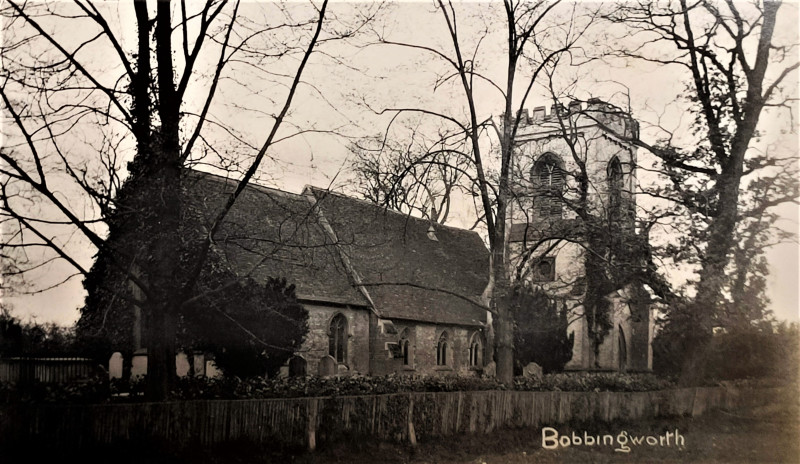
<point x="251" y="329"/>
<point x="95" y="390"/>
<point x="19" y="338"/>
<point x="196" y="388"/>
<point x="540" y="335"/>
<point x="762" y="351"/>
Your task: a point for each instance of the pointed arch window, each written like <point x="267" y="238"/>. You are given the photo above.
<point x="622" y="351"/>
<point x="476" y="350"/>
<point x="442" y="349"/>
<point x="337" y="341"/>
<point x="405" y="348"/>
<point x="548" y="181"/>
<point x="615" y="187"/>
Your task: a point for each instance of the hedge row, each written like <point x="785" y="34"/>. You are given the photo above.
<point x="234" y="388"/>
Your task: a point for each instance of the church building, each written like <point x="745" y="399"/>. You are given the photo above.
<point x="385" y="292"/>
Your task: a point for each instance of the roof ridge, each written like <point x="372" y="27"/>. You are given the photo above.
<point x="388" y="210"/>
<point x="251" y="184"/>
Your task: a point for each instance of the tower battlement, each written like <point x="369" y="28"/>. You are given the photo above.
<point x="594" y="112"/>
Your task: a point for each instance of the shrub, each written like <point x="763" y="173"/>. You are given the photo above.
<point x="594" y="381"/>
<point x="201" y="388"/>
<point x="88" y="391"/>
<point x="758" y="352"/>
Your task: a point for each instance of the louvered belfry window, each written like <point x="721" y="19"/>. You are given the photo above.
<point x="548" y="179"/>
<point x="615" y="185"/>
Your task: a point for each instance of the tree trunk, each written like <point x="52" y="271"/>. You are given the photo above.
<point x="161" y="355"/>
<point x="503" y="321"/>
<point x="712" y="273"/>
<point x="504" y="343"/>
<point x="163" y="210"/>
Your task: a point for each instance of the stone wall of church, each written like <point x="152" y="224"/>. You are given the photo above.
<point x="539" y="136"/>
<point x="626" y="347"/>
<point x="423" y="341"/>
<point x="316" y="344"/>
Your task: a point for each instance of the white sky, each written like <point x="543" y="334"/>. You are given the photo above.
<point x="387" y="76"/>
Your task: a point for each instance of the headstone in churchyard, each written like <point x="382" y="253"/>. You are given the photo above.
<point x="182" y="364"/>
<point x="490" y="369"/>
<point x="199" y="363"/>
<point x="297" y="366"/>
<point x="115" y="366"/>
<point x="139" y="364"/>
<point x="327" y="366"/>
<point x="532" y="370"/>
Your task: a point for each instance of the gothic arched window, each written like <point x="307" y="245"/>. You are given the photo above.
<point x="476" y="350"/>
<point x="441" y="350"/>
<point x="623" y="350"/>
<point x="615" y="187"/>
<point x="337" y="341"/>
<point x="405" y="348"/>
<point x="548" y="181"/>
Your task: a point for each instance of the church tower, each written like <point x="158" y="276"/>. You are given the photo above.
<point x="571" y="225"/>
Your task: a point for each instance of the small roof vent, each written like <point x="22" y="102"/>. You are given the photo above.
<point x="432" y="233"/>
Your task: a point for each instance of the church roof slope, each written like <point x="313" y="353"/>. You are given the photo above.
<point x="411" y="268"/>
<point x="272" y="233"/>
<point x="326" y="243"/>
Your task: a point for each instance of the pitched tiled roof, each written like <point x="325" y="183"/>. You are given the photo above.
<point x="271" y="233"/>
<point x="323" y="243"/>
<point x="406" y="273"/>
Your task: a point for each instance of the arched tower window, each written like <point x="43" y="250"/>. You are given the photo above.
<point x="615" y="187"/>
<point x="476" y="350"/>
<point x="441" y="350"/>
<point x="548" y="181"/>
<point x="337" y="341"/>
<point x="623" y="350"/>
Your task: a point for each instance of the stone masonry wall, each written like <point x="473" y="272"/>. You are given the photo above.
<point x="316" y="344"/>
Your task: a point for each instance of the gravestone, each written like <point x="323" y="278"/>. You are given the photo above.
<point x="182" y="364"/>
<point x="490" y="369"/>
<point x="532" y="370"/>
<point x="115" y="366"/>
<point x="139" y="364"/>
<point x="327" y="366"/>
<point x="297" y="366"/>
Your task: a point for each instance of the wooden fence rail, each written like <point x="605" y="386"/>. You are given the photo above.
<point x="309" y="421"/>
<point x="46" y="370"/>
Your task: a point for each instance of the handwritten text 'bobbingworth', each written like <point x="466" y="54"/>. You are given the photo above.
<point x="622" y="441"/>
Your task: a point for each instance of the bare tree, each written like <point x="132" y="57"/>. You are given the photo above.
<point x="534" y="35"/>
<point x="735" y="69"/>
<point x="84" y="100"/>
<point x="419" y="177"/>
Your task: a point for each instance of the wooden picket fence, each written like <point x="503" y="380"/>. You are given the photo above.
<point x="393" y="417"/>
<point x="47" y="370"/>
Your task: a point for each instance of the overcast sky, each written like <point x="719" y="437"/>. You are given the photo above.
<point x="338" y="92"/>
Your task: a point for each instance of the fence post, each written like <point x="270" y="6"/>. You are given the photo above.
<point x="412" y="435"/>
<point x="696" y="411"/>
<point x="312" y="424"/>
